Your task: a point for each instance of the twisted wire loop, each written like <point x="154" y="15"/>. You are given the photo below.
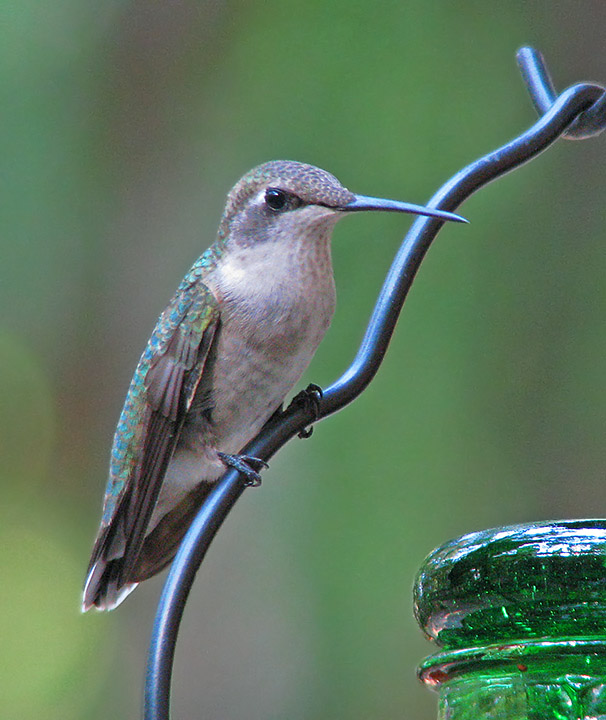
<point x="578" y="112"/>
<point x="543" y="94"/>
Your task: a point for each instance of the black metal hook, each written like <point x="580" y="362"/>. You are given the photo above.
<point x="579" y="112"/>
<point x="543" y="94"/>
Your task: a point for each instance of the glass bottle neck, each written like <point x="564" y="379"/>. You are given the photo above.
<point x="521" y="615"/>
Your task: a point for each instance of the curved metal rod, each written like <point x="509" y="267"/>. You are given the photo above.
<point x="572" y="106"/>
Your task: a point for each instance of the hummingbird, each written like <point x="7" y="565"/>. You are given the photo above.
<point x="237" y="335"/>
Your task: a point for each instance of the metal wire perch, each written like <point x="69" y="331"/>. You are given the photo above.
<point x="577" y="113"/>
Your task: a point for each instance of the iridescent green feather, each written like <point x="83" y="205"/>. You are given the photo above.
<point x="194" y="306"/>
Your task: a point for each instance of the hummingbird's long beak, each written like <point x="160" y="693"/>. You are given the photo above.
<point x="362" y="202"/>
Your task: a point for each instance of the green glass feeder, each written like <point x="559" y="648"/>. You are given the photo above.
<point x="519" y="615"/>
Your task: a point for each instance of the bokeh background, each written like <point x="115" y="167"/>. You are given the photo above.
<point x="124" y="124"/>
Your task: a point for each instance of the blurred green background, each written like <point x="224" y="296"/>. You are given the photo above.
<point x="124" y="126"/>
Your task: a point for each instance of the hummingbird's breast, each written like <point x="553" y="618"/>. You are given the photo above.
<point x="276" y="305"/>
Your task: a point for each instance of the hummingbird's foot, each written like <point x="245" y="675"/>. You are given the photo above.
<point x="310" y="397"/>
<point x="245" y="464"/>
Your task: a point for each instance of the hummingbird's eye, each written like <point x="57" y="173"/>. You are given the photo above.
<point x="278" y="200"/>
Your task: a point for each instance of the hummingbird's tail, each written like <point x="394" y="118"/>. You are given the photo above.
<point x="102" y="588"/>
<point x="108" y="581"/>
<point x="105" y="587"/>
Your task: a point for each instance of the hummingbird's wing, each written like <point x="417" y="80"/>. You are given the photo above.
<point x="159" y="397"/>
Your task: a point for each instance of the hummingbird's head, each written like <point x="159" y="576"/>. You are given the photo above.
<point x="277" y="196"/>
<point x="284" y="199"/>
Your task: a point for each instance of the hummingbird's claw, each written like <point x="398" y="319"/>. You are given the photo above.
<point x="245" y="464"/>
<point x="310" y="397"/>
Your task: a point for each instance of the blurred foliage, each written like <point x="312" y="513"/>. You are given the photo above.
<point x="124" y="125"/>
